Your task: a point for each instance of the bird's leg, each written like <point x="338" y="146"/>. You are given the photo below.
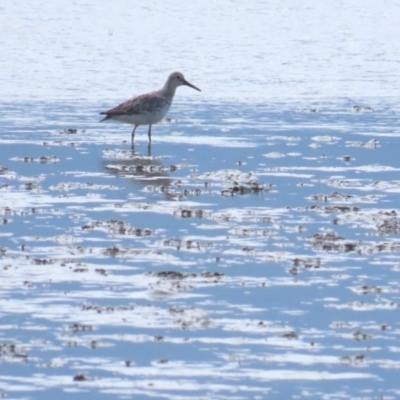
<point x="133" y="134"/>
<point x="149" y="133"/>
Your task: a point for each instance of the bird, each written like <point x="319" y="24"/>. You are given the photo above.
<point x="148" y="108"/>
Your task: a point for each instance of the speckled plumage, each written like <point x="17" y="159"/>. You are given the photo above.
<point x="149" y="108"/>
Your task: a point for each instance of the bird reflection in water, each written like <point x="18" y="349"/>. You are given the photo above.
<point x="144" y="170"/>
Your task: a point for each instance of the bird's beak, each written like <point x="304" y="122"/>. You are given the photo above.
<point x="192" y="86"/>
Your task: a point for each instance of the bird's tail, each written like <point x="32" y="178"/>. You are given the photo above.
<point x="106" y="116"/>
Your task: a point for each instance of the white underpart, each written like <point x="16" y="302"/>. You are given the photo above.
<point x="142" y="119"/>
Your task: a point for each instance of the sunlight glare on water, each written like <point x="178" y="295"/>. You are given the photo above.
<point x="278" y="50"/>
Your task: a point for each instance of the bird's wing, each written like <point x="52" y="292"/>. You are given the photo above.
<point x="137" y="105"/>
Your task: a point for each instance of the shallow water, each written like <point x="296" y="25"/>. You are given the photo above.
<point x="153" y="272"/>
<point x="251" y="252"/>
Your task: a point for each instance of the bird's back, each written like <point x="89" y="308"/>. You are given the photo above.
<point x="145" y="109"/>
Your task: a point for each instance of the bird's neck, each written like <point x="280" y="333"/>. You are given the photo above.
<point x="169" y="91"/>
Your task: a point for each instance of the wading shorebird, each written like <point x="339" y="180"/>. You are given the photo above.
<point x="148" y="108"/>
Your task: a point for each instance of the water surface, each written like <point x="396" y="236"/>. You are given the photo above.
<point x="251" y="252"/>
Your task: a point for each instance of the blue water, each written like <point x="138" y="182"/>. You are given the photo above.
<point x="251" y="252"/>
<point x="266" y="320"/>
